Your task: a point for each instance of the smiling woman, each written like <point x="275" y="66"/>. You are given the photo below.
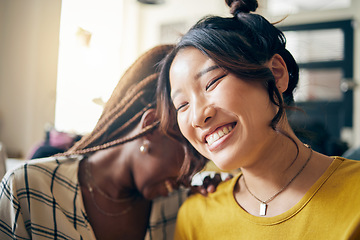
<point x="227" y="84"/>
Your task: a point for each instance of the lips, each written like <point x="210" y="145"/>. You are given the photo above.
<point x="219" y="133"/>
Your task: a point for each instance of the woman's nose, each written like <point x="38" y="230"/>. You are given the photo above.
<point x="202" y="114"/>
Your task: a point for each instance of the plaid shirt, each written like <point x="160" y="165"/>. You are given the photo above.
<point x="42" y="200"/>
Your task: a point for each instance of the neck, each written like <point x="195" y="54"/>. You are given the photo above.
<point x="109" y="172"/>
<point x="274" y="166"/>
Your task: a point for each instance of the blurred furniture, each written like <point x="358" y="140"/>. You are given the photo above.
<point x="6" y="163"/>
<point x="55" y="142"/>
<point x="3" y="158"/>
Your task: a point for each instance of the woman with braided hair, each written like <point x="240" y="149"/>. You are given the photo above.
<point x="227" y="83"/>
<point x="114" y="183"/>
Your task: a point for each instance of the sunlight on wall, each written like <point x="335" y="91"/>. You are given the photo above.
<point x="279" y="7"/>
<point x="89" y="59"/>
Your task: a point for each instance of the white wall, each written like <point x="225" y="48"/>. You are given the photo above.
<point x="174" y="11"/>
<point x="142" y="22"/>
<point x="29" y="32"/>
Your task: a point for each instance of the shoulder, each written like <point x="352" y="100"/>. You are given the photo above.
<point x="344" y="175"/>
<point x="42" y="171"/>
<point x="347" y="166"/>
<point x="222" y="195"/>
<point x="198" y="207"/>
<point x="347" y="160"/>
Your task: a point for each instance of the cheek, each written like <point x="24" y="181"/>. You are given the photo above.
<point x="184" y="125"/>
<point x="189" y="132"/>
<point x="149" y="192"/>
<point x="171" y="167"/>
<point x="151" y="183"/>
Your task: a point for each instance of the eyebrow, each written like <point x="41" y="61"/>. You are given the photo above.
<point x="206" y="70"/>
<point x="197" y="76"/>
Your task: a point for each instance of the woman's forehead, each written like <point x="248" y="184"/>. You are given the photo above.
<point x="193" y="62"/>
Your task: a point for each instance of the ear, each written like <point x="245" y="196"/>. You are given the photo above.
<point x="278" y="67"/>
<point x="148" y="118"/>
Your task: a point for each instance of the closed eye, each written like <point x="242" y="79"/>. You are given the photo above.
<point x="181" y="107"/>
<point x="212" y="82"/>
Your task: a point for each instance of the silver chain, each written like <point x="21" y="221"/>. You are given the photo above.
<point x="91" y="179"/>
<point x="284" y="187"/>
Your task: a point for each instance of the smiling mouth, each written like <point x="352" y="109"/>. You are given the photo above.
<point x="219" y="133"/>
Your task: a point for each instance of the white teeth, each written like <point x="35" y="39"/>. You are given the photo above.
<point x="220" y="133"/>
<point x="216" y="136"/>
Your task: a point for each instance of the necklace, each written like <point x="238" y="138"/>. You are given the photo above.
<point x="117" y="214"/>
<point x="264" y="204"/>
<point x="98" y="189"/>
<point x="115" y="200"/>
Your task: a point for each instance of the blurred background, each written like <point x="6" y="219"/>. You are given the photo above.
<point x="60" y="60"/>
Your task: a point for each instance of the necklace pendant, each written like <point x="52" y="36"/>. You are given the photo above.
<point x="263" y="207"/>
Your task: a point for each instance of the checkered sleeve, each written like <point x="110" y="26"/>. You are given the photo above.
<point x="12" y="225"/>
<point x="41" y="200"/>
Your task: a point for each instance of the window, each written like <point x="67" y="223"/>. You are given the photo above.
<point x="89" y="62"/>
<point x="324" y="52"/>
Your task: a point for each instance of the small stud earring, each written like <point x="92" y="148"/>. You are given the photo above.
<point x="145" y="147"/>
<point x="168" y="186"/>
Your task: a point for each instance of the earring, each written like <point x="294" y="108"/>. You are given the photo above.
<point x="145" y="147"/>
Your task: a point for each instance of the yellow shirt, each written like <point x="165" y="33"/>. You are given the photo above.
<point x="329" y="210"/>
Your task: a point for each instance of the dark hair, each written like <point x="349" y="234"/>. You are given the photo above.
<point x="241" y="45"/>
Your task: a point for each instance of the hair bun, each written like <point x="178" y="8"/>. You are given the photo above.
<point x="244" y="6"/>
